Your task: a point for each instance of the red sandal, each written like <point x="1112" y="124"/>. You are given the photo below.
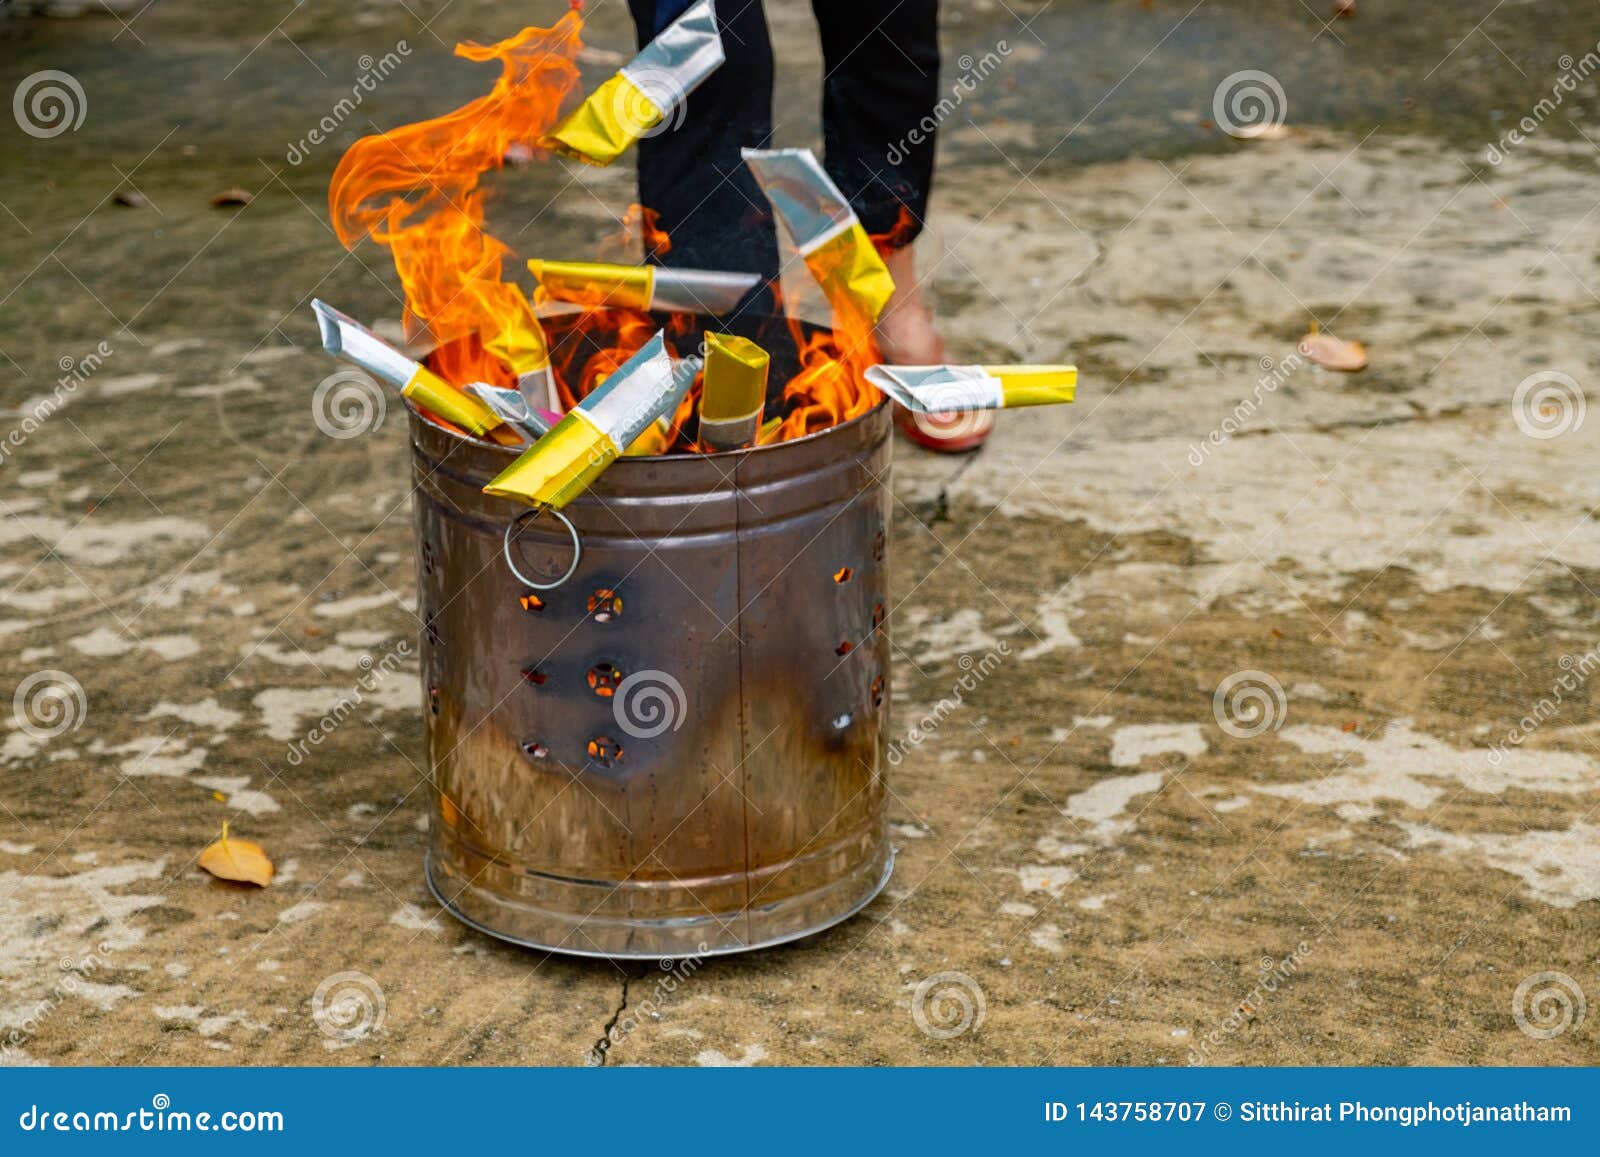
<point x="956" y="432"/>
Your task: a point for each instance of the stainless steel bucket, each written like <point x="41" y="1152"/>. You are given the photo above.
<point x="679" y="751"/>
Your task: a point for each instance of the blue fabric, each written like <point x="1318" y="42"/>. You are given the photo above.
<point x="669" y="10"/>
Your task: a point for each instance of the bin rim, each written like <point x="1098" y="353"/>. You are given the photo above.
<point x="511" y="452"/>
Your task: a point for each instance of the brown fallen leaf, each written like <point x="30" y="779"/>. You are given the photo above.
<point x="233" y="196"/>
<point x="242" y="860"/>
<point x="1344" y="9"/>
<point x="1333" y="353"/>
<point x="1265" y="131"/>
<point x="131" y="199"/>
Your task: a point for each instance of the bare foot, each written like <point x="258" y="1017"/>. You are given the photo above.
<point x="906" y="337"/>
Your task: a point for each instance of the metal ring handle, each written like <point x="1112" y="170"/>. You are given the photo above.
<point x="516" y="523"/>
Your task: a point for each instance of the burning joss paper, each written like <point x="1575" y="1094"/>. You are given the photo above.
<point x="596" y="432"/>
<point x="648" y="91"/>
<point x="347" y="338"/>
<point x="826" y="230"/>
<point x="511" y="407"/>
<point x="643" y="286"/>
<point x="519" y="342"/>
<point x="945" y="389"/>
<point x="734" y="393"/>
<point x="657" y="437"/>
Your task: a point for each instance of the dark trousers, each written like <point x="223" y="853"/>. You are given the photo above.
<point x="881" y="62"/>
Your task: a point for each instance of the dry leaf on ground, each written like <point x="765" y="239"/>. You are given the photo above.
<point x="233" y="196"/>
<point x="1334" y="353"/>
<point x="1264" y="131"/>
<point x="235" y="859"/>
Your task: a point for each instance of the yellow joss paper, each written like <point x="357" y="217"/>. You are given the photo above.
<point x="648" y="91"/>
<point x="347" y="338"/>
<point x="608" y="286"/>
<point x="610" y="119"/>
<point x="559" y="466"/>
<point x="596" y="283"/>
<point x="593" y="434"/>
<point x="1035" y="385"/>
<point x="948" y="389"/>
<point x="849" y="269"/>
<point x="520" y="343"/>
<point x="825" y="229"/>
<point x="734" y="393"/>
<point x="655" y="440"/>
<point x="428" y="390"/>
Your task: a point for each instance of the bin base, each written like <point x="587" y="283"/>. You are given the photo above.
<point x="608" y="937"/>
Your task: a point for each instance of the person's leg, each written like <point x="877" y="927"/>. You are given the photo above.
<point x="714" y="214"/>
<point x="880" y="81"/>
<point x="881" y="86"/>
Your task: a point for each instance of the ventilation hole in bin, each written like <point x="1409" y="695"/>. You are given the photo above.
<point x="879" y="542"/>
<point x="604" y="750"/>
<point x="427" y="558"/>
<point x="843" y="575"/>
<point x="430" y="628"/>
<point x="878" y="615"/>
<point x="605" y="604"/>
<point x="604" y="679"/>
<point x="535" y="750"/>
<point x="531" y="603"/>
<point x="433" y="700"/>
<point x="843" y="648"/>
<point x="534" y="675"/>
<point x="877" y="691"/>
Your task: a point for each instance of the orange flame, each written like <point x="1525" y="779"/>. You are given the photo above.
<point x="417" y="190"/>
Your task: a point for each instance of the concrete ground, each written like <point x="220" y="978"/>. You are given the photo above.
<point x="1286" y="754"/>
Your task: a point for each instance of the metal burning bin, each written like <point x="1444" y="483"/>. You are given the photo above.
<point x="679" y="750"/>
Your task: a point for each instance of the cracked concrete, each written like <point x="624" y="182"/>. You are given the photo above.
<point x="1091" y="850"/>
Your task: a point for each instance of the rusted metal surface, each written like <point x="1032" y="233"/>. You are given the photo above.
<point x="680" y="750"/>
